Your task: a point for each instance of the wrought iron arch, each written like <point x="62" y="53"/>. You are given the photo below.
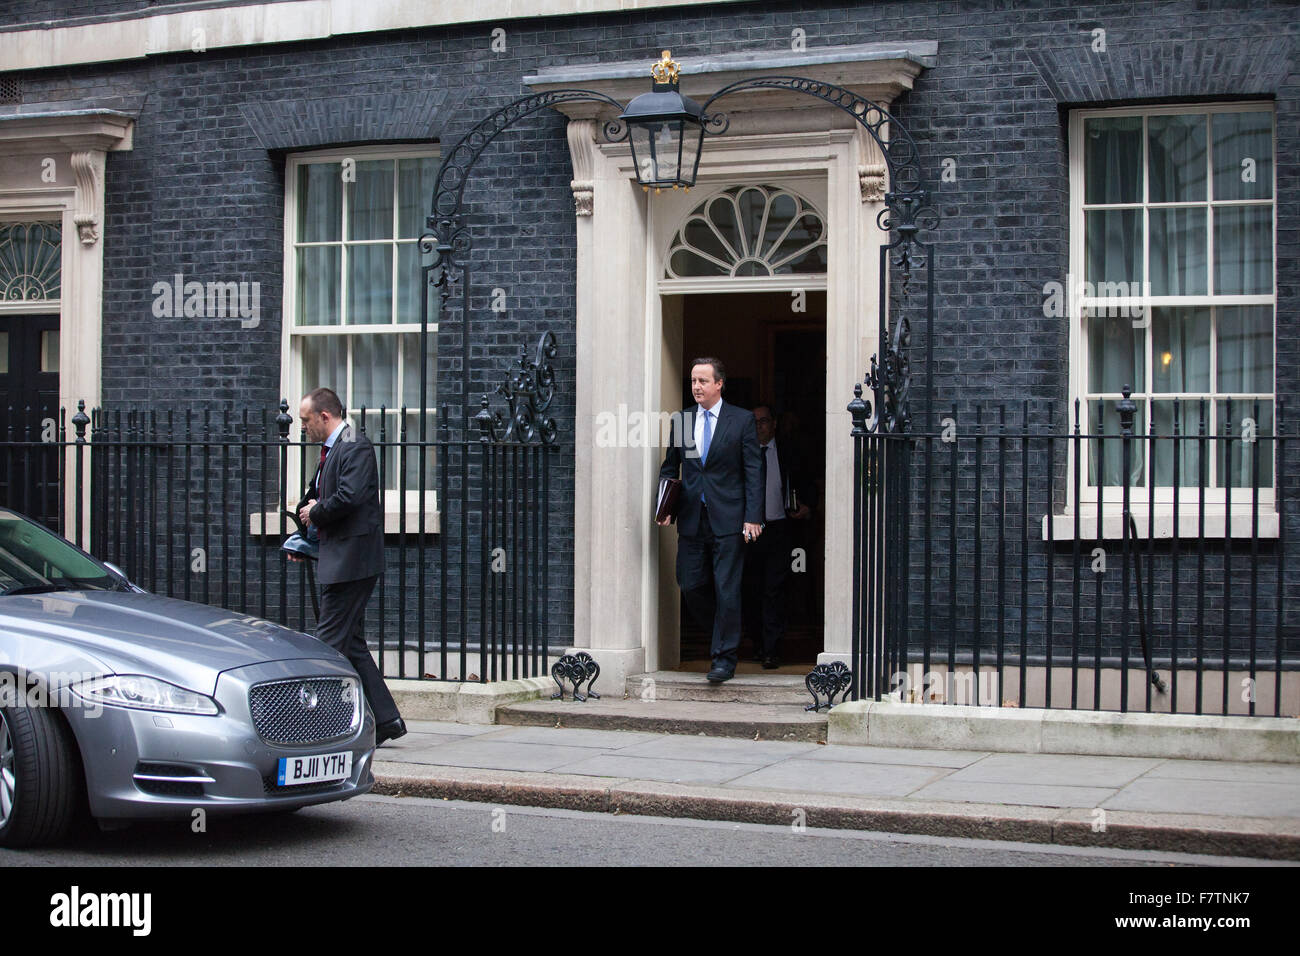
<point x="907" y="214"/>
<point x="448" y="237"/>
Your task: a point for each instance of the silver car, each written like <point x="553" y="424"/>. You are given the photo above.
<point x="135" y="706"/>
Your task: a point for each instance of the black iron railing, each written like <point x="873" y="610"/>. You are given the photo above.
<point x="192" y="504"/>
<point x="1012" y="557"/>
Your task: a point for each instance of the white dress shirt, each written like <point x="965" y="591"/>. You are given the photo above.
<point x="713" y="425"/>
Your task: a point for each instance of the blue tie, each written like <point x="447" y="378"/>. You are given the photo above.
<point x="704" y="442"/>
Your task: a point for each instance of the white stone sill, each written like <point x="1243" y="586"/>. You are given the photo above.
<point x="1189" y="522"/>
<point x="392" y="523"/>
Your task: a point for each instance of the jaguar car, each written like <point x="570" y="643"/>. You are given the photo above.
<point x="120" y="705"/>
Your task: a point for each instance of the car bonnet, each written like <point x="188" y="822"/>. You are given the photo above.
<point x="177" y="641"/>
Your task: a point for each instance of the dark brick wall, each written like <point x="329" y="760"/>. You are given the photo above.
<point x="201" y="194"/>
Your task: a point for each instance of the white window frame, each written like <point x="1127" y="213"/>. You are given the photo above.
<point x="1161" y="498"/>
<point x="291" y="384"/>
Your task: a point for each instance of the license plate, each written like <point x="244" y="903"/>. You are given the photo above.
<point x="319" y="768"/>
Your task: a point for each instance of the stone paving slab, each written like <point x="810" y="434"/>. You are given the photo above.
<point x="825" y="776"/>
<point x="576" y="737"/>
<point x="449" y="727"/>
<point x="1019" y="794"/>
<point x="500" y="755"/>
<point x="896" y="755"/>
<point x="1056" y="770"/>
<point x="1216" y="770"/>
<point x="721" y="749"/>
<point x="1209" y="797"/>
<point x="650" y="768"/>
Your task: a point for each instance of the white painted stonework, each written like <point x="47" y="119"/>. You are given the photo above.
<point x="629" y="324"/>
<point x="52" y="168"/>
<point x="133" y="36"/>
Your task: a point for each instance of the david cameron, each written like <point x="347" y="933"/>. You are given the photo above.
<point x="714" y="445"/>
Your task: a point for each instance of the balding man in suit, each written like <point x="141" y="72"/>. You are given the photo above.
<point x="343" y="505"/>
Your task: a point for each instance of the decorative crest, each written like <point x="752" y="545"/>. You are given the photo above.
<point x="666" y="70"/>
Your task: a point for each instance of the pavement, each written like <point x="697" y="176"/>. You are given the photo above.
<point x="1220" y="808"/>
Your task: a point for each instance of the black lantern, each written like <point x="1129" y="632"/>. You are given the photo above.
<point x="666" y="130"/>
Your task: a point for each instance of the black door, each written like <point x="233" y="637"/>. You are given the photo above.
<point x="29" y="412"/>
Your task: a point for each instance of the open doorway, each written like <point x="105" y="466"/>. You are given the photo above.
<point x="773" y="345"/>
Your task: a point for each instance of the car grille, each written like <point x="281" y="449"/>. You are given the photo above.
<point x="281" y="716"/>
<point x="272" y="786"/>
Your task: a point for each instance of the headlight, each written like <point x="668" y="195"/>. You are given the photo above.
<point x="350" y="690"/>
<point x="144" y="693"/>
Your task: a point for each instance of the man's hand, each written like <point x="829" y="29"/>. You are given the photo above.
<point x="752" y="531"/>
<point x="294" y="558"/>
<point x="665" y="522"/>
<point x="305" y="512"/>
<point x="802" y="511"/>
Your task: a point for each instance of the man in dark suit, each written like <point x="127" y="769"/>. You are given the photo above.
<point x="767" y="563"/>
<point x="343" y="504"/>
<point x="715" y="446"/>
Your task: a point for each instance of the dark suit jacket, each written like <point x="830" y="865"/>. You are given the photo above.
<point x="729" y="480"/>
<point x="349" y="517"/>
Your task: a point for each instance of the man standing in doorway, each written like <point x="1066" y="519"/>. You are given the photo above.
<point x="715" y="446"/>
<point x="767" y="564"/>
<point x="343" y="504"/>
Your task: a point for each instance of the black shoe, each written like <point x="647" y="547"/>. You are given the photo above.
<point x="718" y="674"/>
<point x="390" y="730"/>
<point x="771" y="663"/>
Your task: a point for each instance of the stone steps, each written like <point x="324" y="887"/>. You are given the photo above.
<point x="713" y="718"/>
<point x="777" y="689"/>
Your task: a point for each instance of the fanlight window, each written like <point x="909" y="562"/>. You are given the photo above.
<point x="29" y="261"/>
<point x="749" y="231"/>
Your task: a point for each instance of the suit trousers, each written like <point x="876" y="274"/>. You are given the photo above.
<point x="767" y="574"/>
<point x="709" y="571"/>
<point x="342" y="616"/>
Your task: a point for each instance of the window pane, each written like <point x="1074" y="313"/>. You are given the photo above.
<point x="1243" y="250"/>
<point x="374" y="371"/>
<point x="1114" y="244"/>
<point x="50" y="350"/>
<point x="1178" y="252"/>
<point x="1176" y="147"/>
<point x="1246" y="348"/>
<point x="1181" y="346"/>
<point x="783" y="209"/>
<point x="1188" y="452"/>
<point x="808" y="230"/>
<point x="319" y="277"/>
<point x="723" y="214"/>
<point x="1115" y="355"/>
<point x="409" y="277"/>
<point x="1113" y="159"/>
<point x="370" y="201"/>
<point x="698" y="234"/>
<point x="324" y="363"/>
<point x="4" y="353"/>
<point x="370" y="284"/>
<point x="1107" y="454"/>
<point x="413" y="456"/>
<point x="411" y="370"/>
<point x="415" y="179"/>
<point x="320" y="202"/>
<point x="1243" y="155"/>
<point x="1237" y="454"/>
